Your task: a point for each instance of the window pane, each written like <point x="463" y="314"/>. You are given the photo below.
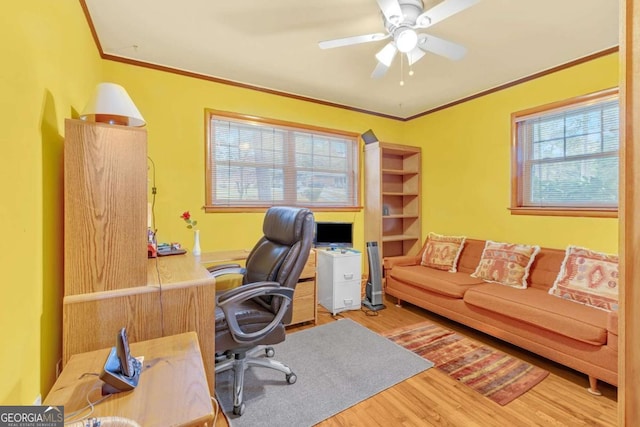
<point x="323" y="188"/>
<point x="548" y="129"/>
<point x="264" y="164"/>
<point x="243" y="184"/>
<point x="583" y="122"/>
<point x="548" y="149"/>
<point x="584" y="144"/>
<point x="579" y="183"/>
<point x="568" y="156"/>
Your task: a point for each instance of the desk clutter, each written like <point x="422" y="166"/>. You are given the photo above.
<point x="164" y="249"/>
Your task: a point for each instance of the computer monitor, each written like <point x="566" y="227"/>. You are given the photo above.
<point x="334" y="234"/>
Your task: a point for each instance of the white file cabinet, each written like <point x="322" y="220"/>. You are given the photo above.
<point x="338" y="279"/>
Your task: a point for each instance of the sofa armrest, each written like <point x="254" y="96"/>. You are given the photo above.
<point x="612" y="330"/>
<point x="612" y="322"/>
<point x="390" y="262"/>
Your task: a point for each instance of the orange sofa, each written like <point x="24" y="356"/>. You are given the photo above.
<point x="576" y="335"/>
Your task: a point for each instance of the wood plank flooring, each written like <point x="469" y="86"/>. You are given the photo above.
<point x="433" y="399"/>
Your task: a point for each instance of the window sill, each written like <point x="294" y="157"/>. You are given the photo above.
<point x="576" y="212"/>
<point x="239" y="209"/>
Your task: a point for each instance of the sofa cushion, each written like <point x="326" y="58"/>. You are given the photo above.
<point x="442" y="252"/>
<point x="545" y="267"/>
<point x="471" y="254"/>
<point x="453" y="285"/>
<point x="537" y="307"/>
<point x="588" y="277"/>
<point x="506" y="263"/>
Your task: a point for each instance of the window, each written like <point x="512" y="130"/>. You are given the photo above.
<point x="565" y="157"/>
<point x="257" y="163"/>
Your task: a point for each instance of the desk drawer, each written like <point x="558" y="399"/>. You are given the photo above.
<point x="309" y="270"/>
<point x="304" y="302"/>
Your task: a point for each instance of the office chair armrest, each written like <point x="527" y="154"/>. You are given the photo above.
<point x="240" y="290"/>
<point x="222" y="269"/>
<point x="252" y="290"/>
<point x="229" y="305"/>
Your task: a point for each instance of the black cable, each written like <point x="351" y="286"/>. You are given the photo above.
<point x="154" y="191"/>
<point x="369" y="312"/>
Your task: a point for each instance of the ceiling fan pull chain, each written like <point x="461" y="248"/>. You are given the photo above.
<point x="401" y="70"/>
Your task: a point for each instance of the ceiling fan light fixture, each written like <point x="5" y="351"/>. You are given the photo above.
<point x="406" y="39"/>
<point x="386" y="54"/>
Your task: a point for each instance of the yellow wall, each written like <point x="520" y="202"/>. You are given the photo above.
<point x="467" y="164"/>
<point x="49" y="67"/>
<point x="173" y="107"/>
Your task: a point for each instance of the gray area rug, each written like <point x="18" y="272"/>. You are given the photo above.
<point x="337" y="364"/>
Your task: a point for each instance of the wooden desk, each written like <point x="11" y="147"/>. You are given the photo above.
<point x="184" y="302"/>
<point x="217" y="257"/>
<point x="172" y="390"/>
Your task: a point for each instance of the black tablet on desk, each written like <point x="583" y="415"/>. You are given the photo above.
<point x="167" y="250"/>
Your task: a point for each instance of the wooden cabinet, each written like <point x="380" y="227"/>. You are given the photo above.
<point x="105" y="207"/>
<point x="392" y="198"/>
<point x="305" y="299"/>
<point x="108" y="280"/>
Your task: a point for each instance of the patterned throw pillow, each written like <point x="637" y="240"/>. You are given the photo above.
<point x="442" y="252"/>
<point x="589" y="278"/>
<point x="506" y="263"/>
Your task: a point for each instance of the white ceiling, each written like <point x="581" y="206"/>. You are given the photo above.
<point x="273" y="44"/>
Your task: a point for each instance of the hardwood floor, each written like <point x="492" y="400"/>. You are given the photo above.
<point x="433" y="399"/>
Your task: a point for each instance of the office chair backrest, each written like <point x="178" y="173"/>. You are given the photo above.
<point x="281" y="254"/>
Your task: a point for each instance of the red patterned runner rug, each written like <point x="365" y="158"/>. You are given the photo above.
<point x="494" y="374"/>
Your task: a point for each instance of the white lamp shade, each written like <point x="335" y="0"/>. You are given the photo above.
<point x="111" y="103"/>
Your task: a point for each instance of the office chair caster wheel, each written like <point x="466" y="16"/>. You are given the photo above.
<point x="291" y="378"/>
<point x="269" y="352"/>
<point x="239" y="410"/>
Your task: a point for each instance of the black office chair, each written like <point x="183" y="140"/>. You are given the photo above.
<point x="254" y="314"/>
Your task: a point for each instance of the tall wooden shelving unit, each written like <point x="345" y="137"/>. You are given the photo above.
<point x="392" y="198"/>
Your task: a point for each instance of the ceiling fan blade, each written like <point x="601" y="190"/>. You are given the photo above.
<point x="347" y="41"/>
<point x="391" y="10"/>
<point x="441" y="47"/>
<point x="379" y="71"/>
<point x="386" y="54"/>
<point x="442" y="11"/>
<point x="415" y="55"/>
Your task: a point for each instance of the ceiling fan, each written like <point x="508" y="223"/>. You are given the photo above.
<point x="401" y="19"/>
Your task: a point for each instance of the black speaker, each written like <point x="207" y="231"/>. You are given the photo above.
<point x="369" y="137"/>
<point x="373" y="289"/>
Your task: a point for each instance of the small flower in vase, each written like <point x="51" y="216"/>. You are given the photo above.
<point x="191" y="224"/>
<point x="186" y="216"/>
